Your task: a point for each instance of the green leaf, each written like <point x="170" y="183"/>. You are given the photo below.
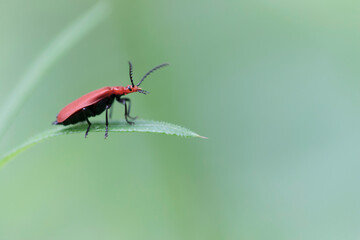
<point x="144" y="126"/>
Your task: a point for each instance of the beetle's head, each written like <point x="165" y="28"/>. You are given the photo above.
<point x="135" y="88"/>
<point x="131" y="89"/>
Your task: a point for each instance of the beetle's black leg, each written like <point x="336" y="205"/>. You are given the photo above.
<point x="89" y="123"/>
<point x="128" y="100"/>
<point x="123" y="101"/>
<point x="127" y="114"/>
<point x="106" y="122"/>
<point x="87" y="131"/>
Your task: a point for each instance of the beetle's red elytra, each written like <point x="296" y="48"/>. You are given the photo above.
<point x="98" y="101"/>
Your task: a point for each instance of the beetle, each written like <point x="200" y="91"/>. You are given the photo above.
<point x="98" y="101"/>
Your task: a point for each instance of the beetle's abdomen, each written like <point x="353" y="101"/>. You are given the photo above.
<point x="89" y="111"/>
<point x="85" y="101"/>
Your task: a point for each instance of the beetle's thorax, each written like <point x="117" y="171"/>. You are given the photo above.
<point x="121" y="90"/>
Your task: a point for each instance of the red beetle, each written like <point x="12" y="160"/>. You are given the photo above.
<point x="95" y="102"/>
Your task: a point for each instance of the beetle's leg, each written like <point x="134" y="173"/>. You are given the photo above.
<point x="123" y="101"/>
<point x="127" y="114"/>
<point x="87" y="131"/>
<point x="106" y="121"/>
<point x="89" y="123"/>
<point x="128" y="100"/>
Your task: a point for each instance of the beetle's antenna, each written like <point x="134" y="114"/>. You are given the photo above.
<point x="130" y="73"/>
<point x="143" y="92"/>
<point x="147" y="74"/>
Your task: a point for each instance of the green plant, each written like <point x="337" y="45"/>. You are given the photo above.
<point x="144" y="126"/>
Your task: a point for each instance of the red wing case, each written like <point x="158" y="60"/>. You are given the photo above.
<point x="82" y="102"/>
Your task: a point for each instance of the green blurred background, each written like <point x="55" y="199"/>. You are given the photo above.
<point x="274" y="85"/>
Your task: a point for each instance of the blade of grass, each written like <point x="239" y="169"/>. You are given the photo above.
<point x="144" y="126"/>
<point x="61" y="44"/>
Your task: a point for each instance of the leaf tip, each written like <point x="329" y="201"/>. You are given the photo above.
<point x="202" y="137"/>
